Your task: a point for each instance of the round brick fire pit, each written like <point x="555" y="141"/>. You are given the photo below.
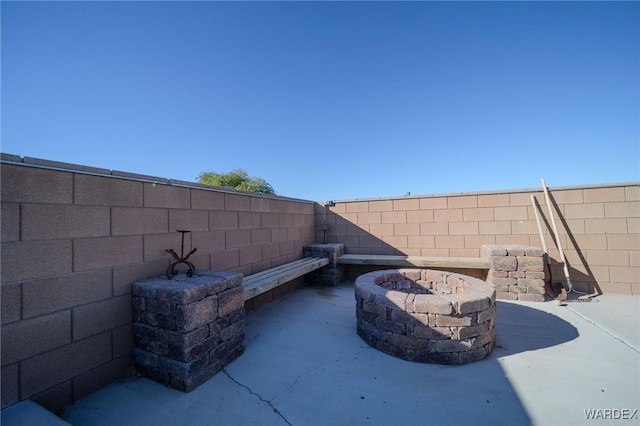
<point x="425" y="315"/>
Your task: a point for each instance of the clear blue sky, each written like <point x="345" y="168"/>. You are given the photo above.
<point x="329" y="100"/>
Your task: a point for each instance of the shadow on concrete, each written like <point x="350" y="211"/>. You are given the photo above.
<point x="522" y="329"/>
<point x="304" y="364"/>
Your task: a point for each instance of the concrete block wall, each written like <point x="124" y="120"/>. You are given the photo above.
<point x="599" y="228"/>
<point x="75" y="238"/>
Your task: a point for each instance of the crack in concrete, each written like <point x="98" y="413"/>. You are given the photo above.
<point x="273" y="407"/>
<point x="288" y="388"/>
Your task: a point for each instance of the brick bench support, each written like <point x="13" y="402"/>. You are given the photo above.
<point x="187" y="329"/>
<point x="516" y="271"/>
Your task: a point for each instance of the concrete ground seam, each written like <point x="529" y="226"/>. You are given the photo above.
<point x="273" y="407"/>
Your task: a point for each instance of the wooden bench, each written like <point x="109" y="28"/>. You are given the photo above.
<point x="263" y="281"/>
<point x="409" y="261"/>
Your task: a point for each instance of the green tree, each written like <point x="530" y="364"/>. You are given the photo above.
<point x="236" y="179"/>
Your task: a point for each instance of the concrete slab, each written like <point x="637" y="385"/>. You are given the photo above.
<point x="28" y="413"/>
<point x="305" y="365"/>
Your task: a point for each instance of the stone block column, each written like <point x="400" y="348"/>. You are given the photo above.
<point x="331" y="274"/>
<point x="516" y="272"/>
<point x="187" y="329"/>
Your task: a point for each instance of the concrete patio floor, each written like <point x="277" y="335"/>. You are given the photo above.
<point x="305" y="365"/>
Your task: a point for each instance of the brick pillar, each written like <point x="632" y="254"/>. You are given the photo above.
<point x="331" y="274"/>
<point x="516" y="272"/>
<point x="187" y="329"/>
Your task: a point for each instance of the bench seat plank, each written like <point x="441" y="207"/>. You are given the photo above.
<point x="422" y="261"/>
<point x="263" y="281"/>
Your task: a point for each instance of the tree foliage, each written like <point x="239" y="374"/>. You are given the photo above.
<point x="237" y="179"/>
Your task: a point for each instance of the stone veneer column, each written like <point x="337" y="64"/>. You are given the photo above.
<point x="517" y="272"/>
<point x="186" y="329"/>
<point x="331" y="274"/>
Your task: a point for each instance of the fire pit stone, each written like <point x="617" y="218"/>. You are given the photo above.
<point x="426" y="315"/>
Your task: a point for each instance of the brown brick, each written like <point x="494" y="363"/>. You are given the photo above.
<point x="166" y="196"/>
<point x="223" y="220"/>
<point x="568" y="196"/>
<point x="494" y="200"/>
<point x="504" y="263"/>
<point x="207" y="199"/>
<point x="280" y="206"/>
<point x="48" y="295"/>
<point x="599" y="195"/>
<point x="122" y="340"/>
<point x="606" y="226"/>
<point x="10" y="299"/>
<point x="608" y="257"/>
<point x="433" y="203"/>
<point x="396" y="241"/>
<point x="511" y="213"/>
<point x="28" y="185"/>
<point x="477" y="214"/>
<point x="97" y="253"/>
<point x="523" y="199"/>
<point x="441" y="228"/>
<point x="124" y="276"/>
<point x="285" y="219"/>
<point x="463" y="228"/>
<point x="450" y="241"/>
<point x="251" y="254"/>
<point x="99" y="377"/>
<point x="394" y="217"/>
<point x="622" y="274"/>
<point x="34" y="259"/>
<point x="530" y="297"/>
<point x="404" y="205"/>
<point x="623" y="242"/>
<point x="230" y="300"/>
<point x="41" y="222"/>
<point x="450" y="215"/>
<point x="240" y="238"/>
<point x="269" y="220"/>
<point x="381" y="206"/>
<point x="228" y="259"/>
<point x="369" y="218"/>
<point x="94" y="318"/>
<point x="107" y="191"/>
<point x="584" y="211"/>
<point x="625" y="209"/>
<point x="530" y="263"/>
<point x="49" y="369"/>
<point x="406" y="229"/>
<point x="421" y="241"/>
<point x="249" y="220"/>
<point x="136" y="221"/>
<point x="260" y="204"/>
<point x="10" y="385"/>
<point x="207" y="241"/>
<point x="495" y="228"/>
<point x="500" y="295"/>
<point x="237" y="202"/>
<point x="27" y="338"/>
<point x="462" y="201"/>
<point x="632" y="193"/>
<point x="357" y="207"/>
<point x="10" y="219"/>
<point x="191" y="220"/>
<point x="450" y="321"/>
<point x="155" y="246"/>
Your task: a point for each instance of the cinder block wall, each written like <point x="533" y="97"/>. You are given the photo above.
<point x="75" y="238"/>
<point x="598" y="229"/>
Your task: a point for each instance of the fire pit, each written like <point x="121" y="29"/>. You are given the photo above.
<point x="425" y="315"/>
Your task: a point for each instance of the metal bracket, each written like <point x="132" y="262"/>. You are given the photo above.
<point x="171" y="270"/>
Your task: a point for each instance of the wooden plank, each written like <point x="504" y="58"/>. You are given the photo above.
<point x="263" y="281"/>
<point x="422" y="261"/>
<point x="279" y="270"/>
